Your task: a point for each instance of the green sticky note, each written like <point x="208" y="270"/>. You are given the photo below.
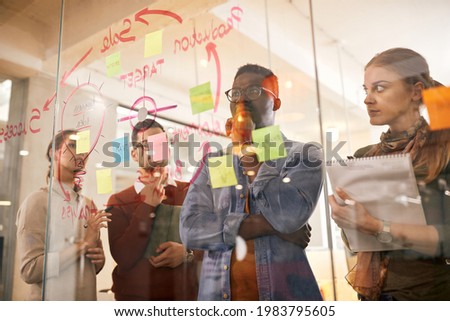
<point x="221" y="171"/>
<point x="201" y="98"/>
<point x="104" y="181"/>
<point x="113" y="65"/>
<point x="268" y="143"/>
<point x="83" y="141"/>
<point x="153" y="43"/>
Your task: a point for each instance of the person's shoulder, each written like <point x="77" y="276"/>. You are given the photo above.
<point x="37" y="197"/>
<point x="363" y="151"/>
<point x="127" y="192"/>
<point x="182" y="185"/>
<point x="300" y="144"/>
<point x="293" y="146"/>
<point x="33" y="208"/>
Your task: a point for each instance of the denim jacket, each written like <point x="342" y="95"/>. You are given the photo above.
<point x="285" y="191"/>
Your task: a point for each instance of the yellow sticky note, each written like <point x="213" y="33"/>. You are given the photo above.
<point x="113" y="65"/>
<point x="221" y="171"/>
<point x="437" y="101"/>
<point x="83" y="141"/>
<point x="153" y="43"/>
<point x="201" y="98"/>
<point x="104" y="181"/>
<point x="269" y="143"/>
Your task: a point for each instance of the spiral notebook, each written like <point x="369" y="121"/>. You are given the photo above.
<point x="386" y="186"/>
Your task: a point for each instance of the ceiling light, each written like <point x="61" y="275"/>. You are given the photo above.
<point x="24" y="152"/>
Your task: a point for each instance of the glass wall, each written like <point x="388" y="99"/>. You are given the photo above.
<point x="99" y="67"/>
<point x="347" y="34"/>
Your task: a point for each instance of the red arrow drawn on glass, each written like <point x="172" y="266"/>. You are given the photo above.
<point x="146" y="11"/>
<point x="206" y="149"/>
<point x="66" y="75"/>
<point x="211" y="50"/>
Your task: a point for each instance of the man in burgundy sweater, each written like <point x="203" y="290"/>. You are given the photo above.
<point x="170" y="272"/>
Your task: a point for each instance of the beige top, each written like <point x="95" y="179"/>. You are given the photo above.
<point x="66" y="277"/>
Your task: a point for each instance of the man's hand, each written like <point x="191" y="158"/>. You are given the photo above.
<point x="170" y="254"/>
<point x="97" y="256"/>
<point x="300" y="237"/>
<point x="254" y="226"/>
<point x="153" y="193"/>
<point x="94" y="223"/>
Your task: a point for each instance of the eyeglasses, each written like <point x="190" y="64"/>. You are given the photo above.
<point x="251" y="93"/>
<point x="143" y="145"/>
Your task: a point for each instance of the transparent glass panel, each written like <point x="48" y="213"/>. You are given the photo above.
<point x="347" y="35"/>
<point x="98" y="68"/>
<point x="29" y="36"/>
<point x="5" y="96"/>
<point x="5" y="200"/>
<point x="146" y="60"/>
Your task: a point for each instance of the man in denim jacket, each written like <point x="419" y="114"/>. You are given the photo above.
<point x="255" y="231"/>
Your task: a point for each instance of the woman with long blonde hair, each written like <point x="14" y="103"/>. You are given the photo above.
<point x="394" y="81"/>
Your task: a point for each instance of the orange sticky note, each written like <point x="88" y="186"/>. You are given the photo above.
<point x="104" y="181"/>
<point x="153" y="43"/>
<point x="437" y="101"/>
